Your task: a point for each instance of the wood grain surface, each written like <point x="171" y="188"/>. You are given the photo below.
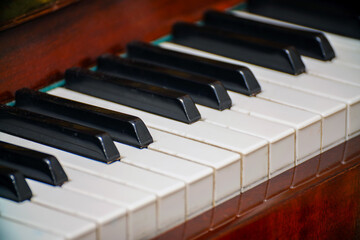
<point x="37" y="53"/>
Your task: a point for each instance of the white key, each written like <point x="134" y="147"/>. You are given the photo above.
<point x="333" y="113"/>
<point x="10" y="230"/>
<point x="198" y="178"/>
<point x="333" y="71"/>
<point x="49" y="220"/>
<point x="225" y="164"/>
<point x="307" y="125"/>
<point x="280" y="137"/>
<point x="254" y="151"/>
<point x="110" y="219"/>
<point x="347" y="43"/>
<point x="140" y="206"/>
<point x="350" y="95"/>
<point x="347" y="56"/>
<point x="170" y="192"/>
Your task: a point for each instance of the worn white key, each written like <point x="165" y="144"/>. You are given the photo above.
<point x="198" y="178"/>
<point x="110" y="219"/>
<point x="281" y="138"/>
<point x="49" y="220"/>
<point x="347" y="56"/>
<point x="140" y="206"/>
<point x="350" y="95"/>
<point x="254" y="151"/>
<point x="170" y="192"/>
<point x="333" y="113"/>
<point x="307" y="125"/>
<point x="333" y="71"/>
<point x="347" y="43"/>
<point x="11" y="230"/>
<point x="225" y="164"/>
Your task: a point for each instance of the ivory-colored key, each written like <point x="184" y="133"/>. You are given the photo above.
<point x="345" y="93"/>
<point x="225" y="164"/>
<point x="333" y="71"/>
<point x="49" y="220"/>
<point x="12" y="230"/>
<point x="140" y="206"/>
<point x="198" y="179"/>
<point x="307" y="125"/>
<point x="138" y="203"/>
<point x="281" y="138"/>
<point x="254" y="151"/>
<point x="333" y="113"/>
<point x="110" y="219"/>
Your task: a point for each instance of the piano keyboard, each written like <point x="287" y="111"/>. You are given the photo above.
<point x="189" y="167"/>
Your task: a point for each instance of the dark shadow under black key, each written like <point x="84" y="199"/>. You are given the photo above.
<point x="236" y="78"/>
<point x="160" y="101"/>
<point x="122" y="127"/>
<point x="309" y="43"/>
<point x="33" y="164"/>
<point x="68" y="136"/>
<point x="248" y="49"/>
<point x="13" y="185"/>
<point x="340" y="17"/>
<point x="204" y="91"/>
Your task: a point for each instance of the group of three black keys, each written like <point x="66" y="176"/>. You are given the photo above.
<point x="151" y="79"/>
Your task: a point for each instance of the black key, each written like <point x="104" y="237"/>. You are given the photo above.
<point x="122" y="127"/>
<point x="309" y="43"/>
<point x="340" y="17"/>
<point x="202" y="90"/>
<point x="13" y="185"/>
<point x="164" y="102"/>
<point x="57" y="133"/>
<point x="32" y="164"/>
<point x="248" y="49"/>
<point x="236" y="78"/>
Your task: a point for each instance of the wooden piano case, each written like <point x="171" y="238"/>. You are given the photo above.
<point x="319" y="199"/>
<point x="36" y="53"/>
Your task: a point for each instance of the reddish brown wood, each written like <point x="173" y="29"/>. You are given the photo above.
<point x="319" y="199"/>
<point x="38" y="52"/>
<point x="42" y="10"/>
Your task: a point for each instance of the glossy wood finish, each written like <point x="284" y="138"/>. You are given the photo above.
<point x="38" y="52"/>
<point x="319" y="199"/>
<point x="21" y="13"/>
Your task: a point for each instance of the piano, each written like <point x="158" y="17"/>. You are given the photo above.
<point x="274" y="157"/>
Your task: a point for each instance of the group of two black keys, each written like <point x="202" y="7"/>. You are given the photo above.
<point x="152" y="79"/>
<point x="340" y="17"/>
